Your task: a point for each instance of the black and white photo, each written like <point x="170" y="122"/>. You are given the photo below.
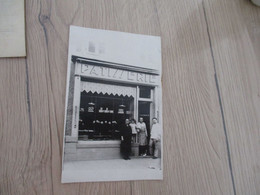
<point x="113" y="116"/>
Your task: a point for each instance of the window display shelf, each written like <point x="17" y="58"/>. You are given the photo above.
<point x="106" y="116"/>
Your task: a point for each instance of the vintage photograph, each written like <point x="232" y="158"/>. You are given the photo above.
<point x="113" y="129"/>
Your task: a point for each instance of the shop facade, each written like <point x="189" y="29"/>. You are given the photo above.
<point x="102" y="95"/>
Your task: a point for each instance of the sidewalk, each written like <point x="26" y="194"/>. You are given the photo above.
<point x="138" y="168"/>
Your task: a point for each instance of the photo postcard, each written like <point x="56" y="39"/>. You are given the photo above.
<point x="113" y="129"/>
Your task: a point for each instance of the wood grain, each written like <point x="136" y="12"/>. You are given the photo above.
<point x="14" y="124"/>
<point x="236" y="56"/>
<point x="211" y="95"/>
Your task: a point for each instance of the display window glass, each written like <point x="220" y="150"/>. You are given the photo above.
<point x="145" y="92"/>
<point x="101" y="115"/>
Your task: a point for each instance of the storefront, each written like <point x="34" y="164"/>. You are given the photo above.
<point x="104" y="95"/>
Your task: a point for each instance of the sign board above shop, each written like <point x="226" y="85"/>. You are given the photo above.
<point x="113" y="73"/>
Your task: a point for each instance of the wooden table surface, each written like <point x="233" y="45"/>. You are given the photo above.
<point x="211" y="95"/>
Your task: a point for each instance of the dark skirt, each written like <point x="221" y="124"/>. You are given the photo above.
<point x="126" y="147"/>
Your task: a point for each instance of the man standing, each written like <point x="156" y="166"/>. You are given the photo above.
<point x="155" y="141"/>
<point x="126" y="136"/>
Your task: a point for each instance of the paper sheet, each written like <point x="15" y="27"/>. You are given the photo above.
<point x="12" y="28"/>
<point x="113" y="78"/>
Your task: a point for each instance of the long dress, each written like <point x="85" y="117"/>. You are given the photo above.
<point x="126" y="133"/>
<point x="142" y="134"/>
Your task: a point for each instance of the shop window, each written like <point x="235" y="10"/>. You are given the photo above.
<point x="145" y="92"/>
<point x="91" y="47"/>
<point x="101" y="115"/>
<point x="101" y="48"/>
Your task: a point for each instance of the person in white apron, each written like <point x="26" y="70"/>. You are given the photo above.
<point x="142" y="136"/>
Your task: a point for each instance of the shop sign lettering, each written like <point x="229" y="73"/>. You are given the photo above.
<point x="116" y="74"/>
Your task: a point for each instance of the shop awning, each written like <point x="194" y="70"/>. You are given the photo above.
<point x="109" y="89"/>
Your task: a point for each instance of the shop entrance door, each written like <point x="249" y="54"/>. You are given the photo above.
<point x="144" y="112"/>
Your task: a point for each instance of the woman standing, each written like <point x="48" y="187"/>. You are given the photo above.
<point x="134" y="132"/>
<point x="142" y="135"/>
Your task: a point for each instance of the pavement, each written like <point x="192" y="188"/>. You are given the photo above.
<point x="138" y="168"/>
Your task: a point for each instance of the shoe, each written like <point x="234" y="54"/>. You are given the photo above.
<point x="128" y="158"/>
<point x="144" y="154"/>
<point x="155" y="157"/>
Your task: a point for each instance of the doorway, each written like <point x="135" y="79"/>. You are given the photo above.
<point x="144" y="112"/>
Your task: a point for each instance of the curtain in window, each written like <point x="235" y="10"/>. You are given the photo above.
<point x="101" y="88"/>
